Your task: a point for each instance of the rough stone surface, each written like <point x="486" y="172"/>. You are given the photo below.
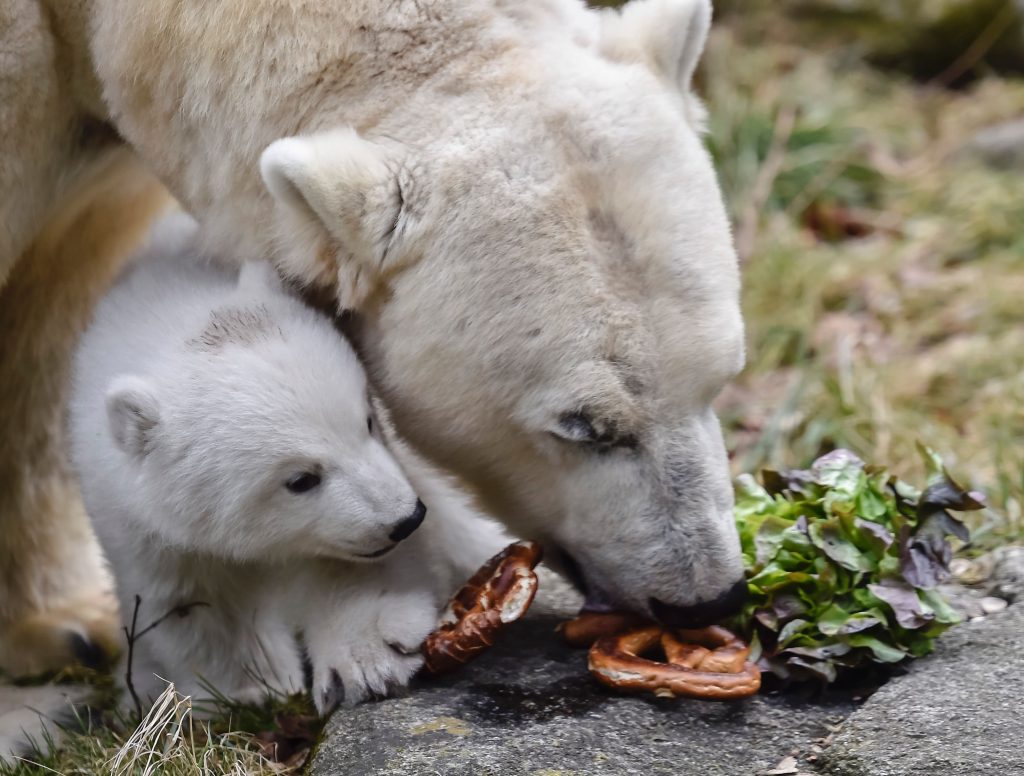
<point x="957" y="713"/>
<point x="530" y="707"/>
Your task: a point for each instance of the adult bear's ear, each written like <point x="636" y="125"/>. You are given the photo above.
<point x="339" y="206"/>
<point x="133" y="413"/>
<point x="667" y="35"/>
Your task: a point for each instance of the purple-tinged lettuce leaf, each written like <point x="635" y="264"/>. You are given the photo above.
<point x="904" y="602"/>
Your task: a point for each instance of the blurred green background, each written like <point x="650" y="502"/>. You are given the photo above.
<point x="871" y="154"/>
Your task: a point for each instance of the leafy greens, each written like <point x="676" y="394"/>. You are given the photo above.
<point x="843" y="562"/>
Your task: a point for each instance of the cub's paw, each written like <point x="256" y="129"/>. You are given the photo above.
<point x="368" y="647"/>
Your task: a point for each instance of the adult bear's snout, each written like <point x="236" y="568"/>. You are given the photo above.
<point x="703" y="613"/>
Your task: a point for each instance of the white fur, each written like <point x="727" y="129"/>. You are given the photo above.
<point x="197" y="396"/>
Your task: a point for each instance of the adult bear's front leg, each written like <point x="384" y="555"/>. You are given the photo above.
<point x="56" y="604"/>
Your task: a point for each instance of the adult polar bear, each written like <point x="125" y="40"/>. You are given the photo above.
<point x="511" y="197"/>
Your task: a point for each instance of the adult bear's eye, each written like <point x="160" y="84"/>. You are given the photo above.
<point x="305" y="481"/>
<point x="576" y="427"/>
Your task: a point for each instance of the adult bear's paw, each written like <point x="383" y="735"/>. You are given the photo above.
<point x="84" y="630"/>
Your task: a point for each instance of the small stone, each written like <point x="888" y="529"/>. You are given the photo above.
<point x="974" y="571"/>
<point x="786" y="767"/>
<point x="991" y="604"/>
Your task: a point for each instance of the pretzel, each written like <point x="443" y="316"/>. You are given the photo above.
<point x="584" y="630"/>
<point x="499" y="593"/>
<point x="715" y="668"/>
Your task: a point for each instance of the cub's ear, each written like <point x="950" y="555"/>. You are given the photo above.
<point x="340" y="205"/>
<point x="133" y="413"/>
<point x="667" y="35"/>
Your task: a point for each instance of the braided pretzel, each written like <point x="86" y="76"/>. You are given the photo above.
<point x="714" y="668"/>
<point x="499" y="593"/>
<point x="584" y="630"/>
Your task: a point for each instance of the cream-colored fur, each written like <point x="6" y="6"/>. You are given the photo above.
<point x="55" y="598"/>
<point x="511" y="197"/>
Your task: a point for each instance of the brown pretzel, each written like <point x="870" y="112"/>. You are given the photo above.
<point x="499" y="593"/>
<point x="715" y="669"/>
<point x="584" y="630"/>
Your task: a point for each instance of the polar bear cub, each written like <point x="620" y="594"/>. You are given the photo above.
<point x="227" y="452"/>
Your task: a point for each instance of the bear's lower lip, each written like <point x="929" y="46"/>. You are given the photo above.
<point x="378" y="553"/>
<point x="595" y="600"/>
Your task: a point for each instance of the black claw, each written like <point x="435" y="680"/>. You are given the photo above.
<point x="334" y="695"/>
<point x="86" y="652"/>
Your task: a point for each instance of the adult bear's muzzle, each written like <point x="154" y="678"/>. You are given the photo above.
<point x="702" y="613"/>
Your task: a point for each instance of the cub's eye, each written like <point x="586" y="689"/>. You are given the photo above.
<point x="369" y="423"/>
<point x="302" y="482"/>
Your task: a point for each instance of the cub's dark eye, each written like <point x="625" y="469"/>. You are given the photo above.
<point x="369" y="423"/>
<point x="301" y="483"/>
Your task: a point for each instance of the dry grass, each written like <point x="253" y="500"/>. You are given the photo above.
<point x="168" y="741"/>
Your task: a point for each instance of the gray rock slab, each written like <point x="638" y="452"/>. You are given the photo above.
<point x="529" y="706"/>
<point x="956" y="713"/>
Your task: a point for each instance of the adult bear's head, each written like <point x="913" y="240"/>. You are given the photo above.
<point x="547" y="294"/>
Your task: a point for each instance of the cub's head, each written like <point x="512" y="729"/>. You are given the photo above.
<point x="261" y="438"/>
<point x="548" y="293"/>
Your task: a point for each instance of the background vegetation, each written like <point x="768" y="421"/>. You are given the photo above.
<point x="882" y="239"/>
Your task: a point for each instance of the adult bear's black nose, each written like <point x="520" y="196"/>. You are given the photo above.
<point x="409" y="524"/>
<point x="704" y="613"/>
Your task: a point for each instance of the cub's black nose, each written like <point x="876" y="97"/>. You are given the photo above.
<point x="409" y="524"/>
<point x="704" y="613"/>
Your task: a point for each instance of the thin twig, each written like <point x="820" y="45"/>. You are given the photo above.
<point x="131" y="654"/>
<point x="181" y="610"/>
